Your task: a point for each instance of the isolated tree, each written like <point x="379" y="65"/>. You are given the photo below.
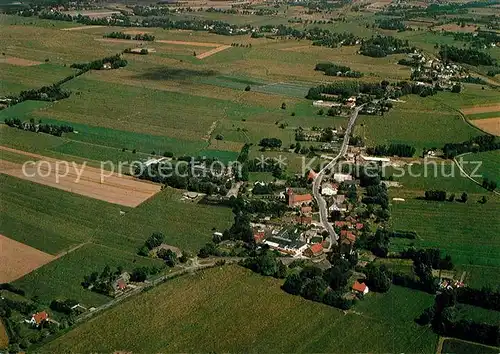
<point x="464" y="197"/>
<point x="283" y="105"/>
<point x="248" y="88"/>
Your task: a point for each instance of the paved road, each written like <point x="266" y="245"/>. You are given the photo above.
<point x="323" y="208"/>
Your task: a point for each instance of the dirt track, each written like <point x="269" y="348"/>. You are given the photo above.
<point x="84" y="180"/>
<point x="81" y="28"/>
<point x="18" y="259"/>
<point x="481" y="109"/>
<point x="213" y="51"/>
<point x="490" y="125"/>
<point x="193" y="44"/>
<point x="19" y="61"/>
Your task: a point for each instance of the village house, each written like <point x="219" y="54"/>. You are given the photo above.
<point x="259" y="236"/>
<point x="312" y="175"/>
<point x="314" y="250"/>
<point x="341" y="177"/>
<point x="361" y="288"/>
<point x="295" y="200"/>
<point x="304" y="220"/>
<point x="329" y="189"/>
<point x="306" y="210"/>
<point x="38" y="318"/>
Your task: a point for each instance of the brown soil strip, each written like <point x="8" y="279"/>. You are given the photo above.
<point x="489" y="125"/>
<point x="481" y="109"/>
<point x="93" y="182"/>
<point x="19" y="61"/>
<point x="213" y="51"/>
<point x="81" y="28"/>
<point x="18" y="259"/>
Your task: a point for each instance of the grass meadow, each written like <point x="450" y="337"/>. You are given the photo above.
<point x="231" y="309"/>
<point x="466" y="231"/>
<point x="457" y="346"/>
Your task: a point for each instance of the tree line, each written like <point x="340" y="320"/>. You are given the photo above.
<point x="137" y="37"/>
<point x="445" y="319"/>
<point x="475" y="144"/>
<point x="53" y="129"/>
<point x="331" y="69"/>
<point x="115" y="62"/>
<point x="401" y="150"/>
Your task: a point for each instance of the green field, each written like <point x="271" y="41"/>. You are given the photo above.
<point x="489" y="164"/>
<point x="230" y="309"/>
<point x="457" y="346"/>
<point x="53" y="220"/>
<point x="419" y="122"/>
<point x="468" y="232"/>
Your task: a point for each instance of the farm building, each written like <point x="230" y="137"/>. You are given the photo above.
<point x="38" y="318"/>
<point x="361" y="288"/>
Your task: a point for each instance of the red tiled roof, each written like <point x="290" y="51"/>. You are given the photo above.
<point x="120" y="284"/>
<point x="39" y="317"/>
<point x="348" y="235"/>
<point x="359" y="286"/>
<point x="359" y="226"/>
<point x="259" y="236"/>
<point x="339" y="223"/>
<point x="304" y="219"/>
<point x="298" y="198"/>
<point x="316" y="248"/>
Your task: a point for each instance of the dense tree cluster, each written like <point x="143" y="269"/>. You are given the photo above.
<point x="446" y="319"/>
<point x="435" y="195"/>
<point x="270" y="143"/>
<point x="332" y="69"/>
<point x="326" y="286"/>
<point x="63" y="306"/>
<point x="465" y="55"/>
<point x="431" y="256"/>
<point x="382" y="46"/>
<point x="378" y="278"/>
<point x="490" y="185"/>
<point x="155" y="240"/>
<point x="137" y="37"/>
<point x="391" y="24"/>
<point x="53" y="129"/>
<point x="476" y="144"/>
<point x="401" y="150"/>
<point x="115" y="62"/>
<point x="486" y="297"/>
<point x="266" y="263"/>
<point x="102" y="282"/>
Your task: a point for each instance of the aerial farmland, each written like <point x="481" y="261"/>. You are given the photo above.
<point x="249" y="176"/>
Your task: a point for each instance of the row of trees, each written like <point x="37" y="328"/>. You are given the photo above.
<point x="332" y="69"/>
<point x="137" y="37"/>
<point x="153" y="241"/>
<point x="476" y="144"/>
<point x="53" y="129"/>
<point x="401" y="150"/>
<point x="441" y="196"/>
<point x="445" y="318"/>
<point x="391" y="24"/>
<point x="115" y="62"/>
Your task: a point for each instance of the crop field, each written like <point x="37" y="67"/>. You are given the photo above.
<point x="17" y="78"/>
<point x="409" y="123"/>
<point x="458" y="346"/>
<point x="466" y="231"/>
<point x="52" y="220"/>
<point x="210" y="310"/>
<point x="489" y="161"/>
<point x="19" y="259"/>
<point x="81" y="179"/>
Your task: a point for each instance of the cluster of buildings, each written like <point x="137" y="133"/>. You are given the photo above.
<point x="426" y="71"/>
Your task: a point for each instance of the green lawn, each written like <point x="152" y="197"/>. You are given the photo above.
<point x="231" y="309"/>
<point x="468" y="232"/>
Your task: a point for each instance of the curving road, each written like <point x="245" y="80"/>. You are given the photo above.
<point x="323" y="208"/>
